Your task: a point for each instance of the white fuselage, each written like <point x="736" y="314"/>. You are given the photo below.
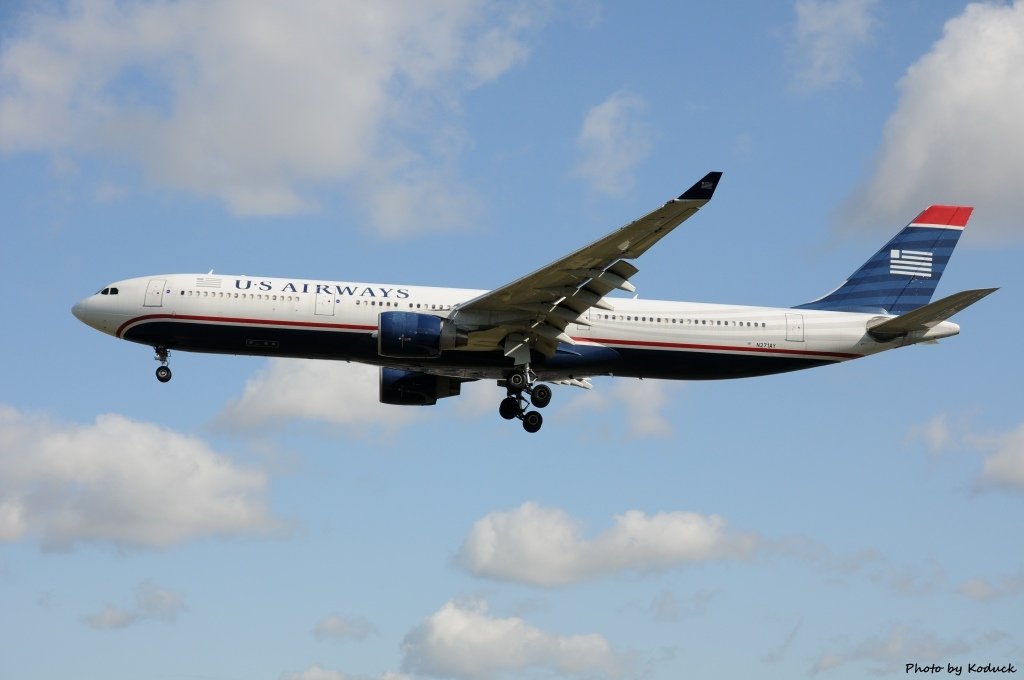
<point x="339" y="320"/>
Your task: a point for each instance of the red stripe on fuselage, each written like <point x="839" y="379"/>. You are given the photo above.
<point x="243" y="321"/>
<point x="720" y="348"/>
<point x="597" y="341"/>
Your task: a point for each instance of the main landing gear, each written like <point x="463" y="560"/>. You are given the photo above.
<point x="163" y="373"/>
<point x="518" y="383"/>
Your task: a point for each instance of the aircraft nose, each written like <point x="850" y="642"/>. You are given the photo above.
<point x="86" y="312"/>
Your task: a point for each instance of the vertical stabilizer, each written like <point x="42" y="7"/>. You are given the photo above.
<point x="902" y="276"/>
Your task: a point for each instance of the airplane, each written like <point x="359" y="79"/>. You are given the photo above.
<point x="556" y="326"/>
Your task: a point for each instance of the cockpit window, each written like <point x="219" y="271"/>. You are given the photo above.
<point x="109" y="291"/>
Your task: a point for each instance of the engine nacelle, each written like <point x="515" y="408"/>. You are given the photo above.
<point x="408" y="335"/>
<point x="409" y="388"/>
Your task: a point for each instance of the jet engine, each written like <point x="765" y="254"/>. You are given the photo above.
<point x="405" y="335"/>
<point x="409" y="388"/>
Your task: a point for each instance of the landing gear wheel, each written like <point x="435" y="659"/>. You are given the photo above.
<point x="163" y="374"/>
<point x="540" y="396"/>
<point x="532" y="421"/>
<point x="520" y="384"/>
<point x="517" y="381"/>
<point x="509" y="408"/>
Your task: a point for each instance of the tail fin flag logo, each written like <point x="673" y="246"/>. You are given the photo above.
<point x="910" y="263"/>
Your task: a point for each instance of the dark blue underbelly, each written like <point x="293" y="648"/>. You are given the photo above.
<point x="570" y="361"/>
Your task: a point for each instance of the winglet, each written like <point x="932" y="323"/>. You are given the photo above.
<point x="702" y="190"/>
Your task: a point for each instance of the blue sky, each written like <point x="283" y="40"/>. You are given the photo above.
<point x="268" y="519"/>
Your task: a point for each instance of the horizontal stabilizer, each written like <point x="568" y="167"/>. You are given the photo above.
<point x="929" y="316"/>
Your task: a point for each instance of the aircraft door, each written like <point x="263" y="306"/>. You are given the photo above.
<point x="325" y="304"/>
<point x="155" y="293"/>
<point x="795" y="327"/>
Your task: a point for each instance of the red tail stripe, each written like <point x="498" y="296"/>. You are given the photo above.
<point x="945" y="215"/>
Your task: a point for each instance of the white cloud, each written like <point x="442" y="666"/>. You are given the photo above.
<point x="120" y="481"/>
<point x="826" y="36"/>
<point x="479" y="399"/>
<point x="321" y="673"/>
<point x="644" y="401"/>
<point x="316" y="673"/>
<point x="957" y="135"/>
<point x="339" y="628"/>
<point x="257" y="102"/>
<point x="888" y="654"/>
<point x="613" y="140"/>
<point x="639" y="405"/>
<point x="924" y="578"/>
<point x="332" y="392"/>
<point x="462" y="640"/>
<point x="936" y="433"/>
<point x="982" y="589"/>
<point x="665" y="607"/>
<point x="403" y="189"/>
<point x="1005" y="468"/>
<point x="543" y="546"/>
<point x="152" y="603"/>
<point x="1003" y="465"/>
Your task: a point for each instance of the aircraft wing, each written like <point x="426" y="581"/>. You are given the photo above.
<point x="533" y="312"/>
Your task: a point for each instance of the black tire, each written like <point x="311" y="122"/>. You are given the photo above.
<point x="541" y="396"/>
<point x="516" y="380"/>
<point x="509" y="408"/>
<point x="532" y="421"/>
<point x="163" y="374"/>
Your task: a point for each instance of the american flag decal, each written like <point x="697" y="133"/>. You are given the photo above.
<point x="910" y="263"/>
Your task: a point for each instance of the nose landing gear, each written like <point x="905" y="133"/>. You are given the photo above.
<point x="163" y="372"/>
<point x="518" y="383"/>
